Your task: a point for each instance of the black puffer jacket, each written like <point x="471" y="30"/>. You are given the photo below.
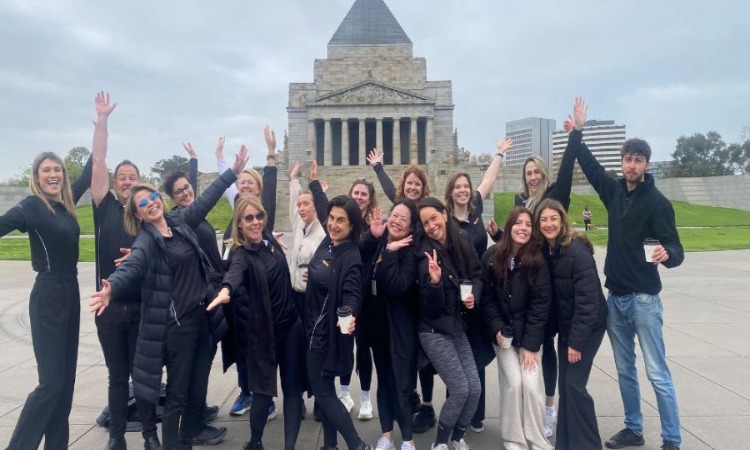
<point x="147" y="265"/>
<point x="577" y="291"/>
<point x="521" y="304"/>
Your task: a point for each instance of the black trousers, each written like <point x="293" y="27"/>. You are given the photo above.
<point x="363" y="356"/>
<point x="290" y="357"/>
<point x="54" y="313"/>
<point x="187" y="347"/>
<point x="335" y="417"/>
<point x="576" y="419"/>
<point x="117" y="329"/>
<point x="389" y="405"/>
<point x="549" y="364"/>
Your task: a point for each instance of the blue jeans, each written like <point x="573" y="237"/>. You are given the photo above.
<point x="642" y="315"/>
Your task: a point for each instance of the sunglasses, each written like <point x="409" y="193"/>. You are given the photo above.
<point x="259" y="217"/>
<point x="151" y="197"/>
<point x="362" y="180"/>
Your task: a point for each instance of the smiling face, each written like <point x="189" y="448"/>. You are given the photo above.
<point x="152" y="210"/>
<point x="306" y="208"/>
<point x="520" y="232"/>
<point x="251" y="226"/>
<point x="248" y="185"/>
<point x="182" y="193"/>
<point x="435" y="223"/>
<point x="550" y="225"/>
<point x="361" y="194"/>
<point x="50" y="177"/>
<point x="339" y="227"/>
<point x="461" y="193"/>
<point x="413" y="187"/>
<point x="533" y="177"/>
<point x="399" y="223"/>
<point x="125" y="178"/>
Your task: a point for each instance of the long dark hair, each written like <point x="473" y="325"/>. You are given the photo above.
<point x="352" y="212"/>
<point x="529" y="256"/>
<point x="461" y="254"/>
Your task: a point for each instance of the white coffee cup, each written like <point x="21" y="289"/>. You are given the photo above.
<point x="345" y="318"/>
<point x="649" y="245"/>
<point x="465" y="289"/>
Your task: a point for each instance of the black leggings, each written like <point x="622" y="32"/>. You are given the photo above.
<point x="290" y="353"/>
<point x="54" y="313"/>
<point x="549" y="365"/>
<point x="364" y="364"/>
<point x="389" y="404"/>
<point x="335" y="417"/>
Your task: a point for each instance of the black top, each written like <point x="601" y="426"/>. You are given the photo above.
<point x="189" y="285"/>
<point x="109" y="238"/>
<point x="318" y="278"/>
<point x="633" y="216"/>
<point x="53" y="237"/>
<point x="389" y="189"/>
<point x="267" y="199"/>
<point x="474" y="226"/>
<point x="204" y="231"/>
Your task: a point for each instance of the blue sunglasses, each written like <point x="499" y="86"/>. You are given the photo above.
<point x="151" y="197"/>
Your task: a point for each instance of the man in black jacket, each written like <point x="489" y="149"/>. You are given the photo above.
<point x="637" y="211"/>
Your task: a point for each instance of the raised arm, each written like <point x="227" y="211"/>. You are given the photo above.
<point x="231" y="192"/>
<point x="294" y="191"/>
<point x="320" y="199"/>
<point x="82" y="183"/>
<point x="485" y="187"/>
<point x="99" y="172"/>
<point x="595" y="173"/>
<point x="15" y="218"/>
<point x="192" y="167"/>
<point x="375" y="159"/>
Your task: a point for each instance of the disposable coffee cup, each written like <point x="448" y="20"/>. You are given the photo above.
<point x="465" y="289"/>
<point x="507" y="333"/>
<point x="345" y="317"/>
<point x="649" y="245"/>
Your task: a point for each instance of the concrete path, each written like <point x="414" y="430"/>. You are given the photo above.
<point x="707" y="332"/>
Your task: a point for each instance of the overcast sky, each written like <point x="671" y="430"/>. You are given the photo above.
<point x="195" y="70"/>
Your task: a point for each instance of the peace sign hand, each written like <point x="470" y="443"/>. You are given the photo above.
<point x="433" y="266"/>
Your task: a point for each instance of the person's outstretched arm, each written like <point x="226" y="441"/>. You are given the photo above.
<point x="231" y="192"/>
<point x="375" y="158"/>
<point x="99" y="171"/>
<point x="490" y="175"/>
<point x="192" y="172"/>
<point x="270" y="176"/>
<point x="320" y="199"/>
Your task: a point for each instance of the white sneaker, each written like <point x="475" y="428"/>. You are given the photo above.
<point x="365" y="410"/>
<point x="460" y="445"/>
<point x="385" y="444"/>
<point x="440" y="447"/>
<point x="408" y="445"/>
<point x="346" y="399"/>
<point x="549" y="420"/>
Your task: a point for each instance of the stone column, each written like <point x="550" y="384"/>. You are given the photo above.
<point x="413" y="141"/>
<point x="429" y="138"/>
<point x="362" y="142"/>
<point x="379" y="134"/>
<point x="312" y="142"/>
<point x="397" y="140"/>
<point x="327" y="152"/>
<point x="344" y="142"/>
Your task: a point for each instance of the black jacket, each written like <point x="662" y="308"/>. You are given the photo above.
<point x="520" y="304"/>
<point x="147" y="265"/>
<point x="633" y="216"/>
<point x="440" y="307"/>
<point x="579" y="302"/>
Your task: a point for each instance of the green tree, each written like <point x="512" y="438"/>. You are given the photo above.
<point x="21" y="178"/>
<point x="701" y="156"/>
<point x="164" y="166"/>
<point x="75" y="160"/>
<point x="739" y="157"/>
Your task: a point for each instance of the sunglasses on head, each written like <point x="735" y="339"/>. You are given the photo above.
<point x="259" y="217"/>
<point x="151" y="197"/>
<point x="363" y="180"/>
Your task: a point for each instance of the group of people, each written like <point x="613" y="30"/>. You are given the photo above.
<point x="415" y="294"/>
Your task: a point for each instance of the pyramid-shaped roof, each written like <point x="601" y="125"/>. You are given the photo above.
<point x="369" y="22"/>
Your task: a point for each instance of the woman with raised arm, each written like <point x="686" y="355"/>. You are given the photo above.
<point x="413" y="184"/>
<point x="515" y="307"/>
<point x="48" y="215"/>
<point x="166" y="261"/>
<point x="581" y="320"/>
<point x="465" y="206"/>
<point x="391" y="302"/>
<point x="448" y="278"/>
<point x="275" y="338"/>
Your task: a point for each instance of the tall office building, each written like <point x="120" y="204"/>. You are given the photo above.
<point x="602" y="137"/>
<point x="531" y="136"/>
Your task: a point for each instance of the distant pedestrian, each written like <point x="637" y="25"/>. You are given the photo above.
<point x="587" y="217"/>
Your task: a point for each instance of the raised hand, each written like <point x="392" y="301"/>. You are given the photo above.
<point x="503" y="146"/>
<point x="221" y="298"/>
<point x="294" y="173"/>
<point x="324" y="185"/>
<point x="434" y="267"/>
<point x="270" y="140"/>
<point x="278" y="235"/>
<point x="580" y="110"/>
<point x="313" y="170"/>
<point x="240" y="159"/>
<point x="401" y="243"/>
<point x="377" y="226"/>
<point x="220" y="149"/>
<point x="491" y="227"/>
<point x="189" y="149"/>
<point x="103" y="107"/>
<point x="374" y="157"/>
<point x="101" y="299"/>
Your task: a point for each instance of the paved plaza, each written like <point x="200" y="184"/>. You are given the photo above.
<point x="707" y="332"/>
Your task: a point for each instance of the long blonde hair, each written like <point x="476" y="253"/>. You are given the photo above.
<point x="67" y="194"/>
<point x="131" y="221"/>
<point x="238" y="237"/>
<point x="532" y="201"/>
